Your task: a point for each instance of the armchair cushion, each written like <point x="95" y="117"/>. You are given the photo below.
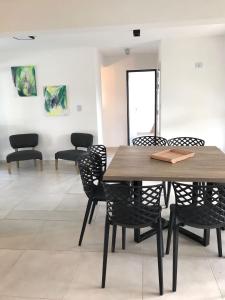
<point x="73" y="155"/>
<point x="23" y="155"/>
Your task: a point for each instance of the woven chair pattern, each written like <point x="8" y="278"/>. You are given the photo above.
<point x="133" y="206"/>
<point x="149" y="141"/>
<point x="186" y="141"/>
<point x="101" y="151"/>
<point x="90" y="166"/>
<point x="201" y="206"/>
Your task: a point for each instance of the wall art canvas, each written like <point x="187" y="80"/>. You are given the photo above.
<point x="24" y="80"/>
<point x="55" y="100"/>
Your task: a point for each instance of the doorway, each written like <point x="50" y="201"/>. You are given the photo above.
<point x="142" y="103"/>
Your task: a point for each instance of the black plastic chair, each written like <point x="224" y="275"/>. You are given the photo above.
<point x="185" y="142"/>
<point x="19" y="141"/>
<point x="199" y="206"/>
<point x="133" y="207"/>
<point x="148" y="140"/>
<point x="101" y="151"/>
<point x="78" y="140"/>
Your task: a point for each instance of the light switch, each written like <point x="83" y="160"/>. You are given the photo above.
<point x="79" y="107"/>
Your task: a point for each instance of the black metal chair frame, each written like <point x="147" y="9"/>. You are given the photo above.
<point x="21" y="141"/>
<point x="199" y="206"/>
<point x="133" y="207"/>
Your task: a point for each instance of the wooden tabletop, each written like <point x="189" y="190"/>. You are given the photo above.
<point x="134" y="164"/>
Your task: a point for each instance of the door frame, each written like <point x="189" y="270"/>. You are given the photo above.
<point x="156" y="100"/>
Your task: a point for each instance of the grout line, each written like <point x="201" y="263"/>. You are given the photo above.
<point x="216" y="280"/>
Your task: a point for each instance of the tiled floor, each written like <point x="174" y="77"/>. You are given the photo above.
<point x="40" y="221"/>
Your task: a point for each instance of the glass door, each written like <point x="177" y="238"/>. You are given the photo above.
<point x="141" y="103"/>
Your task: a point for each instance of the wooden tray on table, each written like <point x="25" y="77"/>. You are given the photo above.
<point x="172" y="155"/>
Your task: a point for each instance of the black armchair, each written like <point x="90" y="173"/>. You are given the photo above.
<point x="18" y="141"/>
<point x="78" y="140"/>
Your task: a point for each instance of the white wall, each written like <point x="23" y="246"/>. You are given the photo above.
<point x="76" y="68"/>
<point x="193" y="100"/>
<point x="114" y="95"/>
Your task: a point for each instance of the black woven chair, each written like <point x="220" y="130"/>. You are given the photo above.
<point x="19" y="141"/>
<point x="100" y="150"/>
<point x="148" y="140"/>
<point x="199" y="206"/>
<point x="185" y="142"/>
<point x="133" y="207"/>
<point x="91" y="172"/>
<point x="78" y="140"/>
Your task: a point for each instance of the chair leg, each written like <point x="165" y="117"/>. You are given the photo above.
<point x="9" y="168"/>
<point x="105" y="251"/>
<point x="114" y="238"/>
<point x="41" y="165"/>
<point x="170" y="230"/>
<point x="94" y="203"/>
<point x="123" y="238"/>
<point x="56" y="164"/>
<point x="85" y="221"/>
<point x="164" y="192"/>
<point x="168" y="193"/>
<point x="175" y="255"/>
<point x="17" y="164"/>
<point x="35" y="163"/>
<point x="219" y="242"/>
<point x="159" y="254"/>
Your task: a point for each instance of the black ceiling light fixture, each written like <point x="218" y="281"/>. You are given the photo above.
<point x="24" y="38"/>
<point x="136" y="32"/>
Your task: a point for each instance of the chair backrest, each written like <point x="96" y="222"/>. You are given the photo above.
<point x="101" y="151"/>
<point x="23" y="140"/>
<point x="148" y="140"/>
<point x="90" y="166"/>
<point x="83" y="140"/>
<point x="132" y="206"/>
<point x="186" y="141"/>
<point x="191" y="199"/>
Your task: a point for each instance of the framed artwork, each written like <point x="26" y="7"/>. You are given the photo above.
<point x="24" y="80"/>
<point x="55" y="100"/>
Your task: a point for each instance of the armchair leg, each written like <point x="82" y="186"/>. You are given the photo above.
<point x="56" y="164"/>
<point x="41" y="164"/>
<point x="17" y="164"/>
<point x="9" y="168"/>
<point x="35" y="163"/>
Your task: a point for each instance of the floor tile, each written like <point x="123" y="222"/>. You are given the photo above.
<point x="40" y="274"/>
<point x="18" y="234"/>
<point x="123" y="278"/>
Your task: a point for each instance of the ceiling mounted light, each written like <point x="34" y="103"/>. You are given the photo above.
<point x="24" y="38"/>
<point x="136" y="32"/>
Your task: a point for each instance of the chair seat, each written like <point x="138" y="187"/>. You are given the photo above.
<point x="23" y="155"/>
<point x="72" y="155"/>
<point x="200" y="216"/>
<point x="129" y="216"/>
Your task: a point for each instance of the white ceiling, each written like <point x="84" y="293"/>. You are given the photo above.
<point x="109" y="40"/>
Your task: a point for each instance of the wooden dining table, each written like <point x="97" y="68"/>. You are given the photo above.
<point x="134" y="164"/>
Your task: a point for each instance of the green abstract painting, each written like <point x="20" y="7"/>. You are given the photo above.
<point x="55" y="100"/>
<point x="24" y="80"/>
